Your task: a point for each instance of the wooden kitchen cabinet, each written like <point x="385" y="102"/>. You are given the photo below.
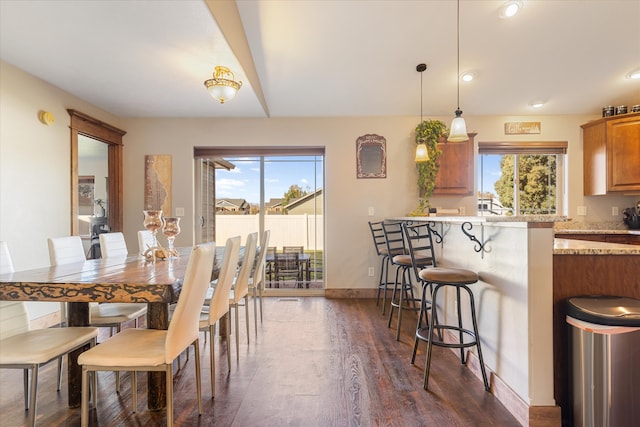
<point x="612" y="154"/>
<point x="455" y="176"/>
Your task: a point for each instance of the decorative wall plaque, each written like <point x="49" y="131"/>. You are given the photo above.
<point x="371" y="156"/>
<point x="521" y="128"/>
<point x="157" y="183"/>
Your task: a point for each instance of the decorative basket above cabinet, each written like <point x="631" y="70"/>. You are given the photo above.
<point x="612" y="155"/>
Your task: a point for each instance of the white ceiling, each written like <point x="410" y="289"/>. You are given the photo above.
<point x="331" y="58"/>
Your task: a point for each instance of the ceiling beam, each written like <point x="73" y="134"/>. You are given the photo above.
<point x="228" y="19"/>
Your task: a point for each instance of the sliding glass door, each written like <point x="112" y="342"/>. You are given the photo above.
<point x="270" y="190"/>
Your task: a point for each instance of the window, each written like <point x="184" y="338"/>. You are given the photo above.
<point x="521" y="178"/>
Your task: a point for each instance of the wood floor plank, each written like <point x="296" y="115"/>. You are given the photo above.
<point x="315" y="362"/>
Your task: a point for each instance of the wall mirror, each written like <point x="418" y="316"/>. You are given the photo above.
<point x="371" y="156"/>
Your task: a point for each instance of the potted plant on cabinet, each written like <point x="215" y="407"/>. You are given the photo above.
<point x="428" y="133"/>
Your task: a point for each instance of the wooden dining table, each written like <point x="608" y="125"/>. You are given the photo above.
<point x="129" y="279"/>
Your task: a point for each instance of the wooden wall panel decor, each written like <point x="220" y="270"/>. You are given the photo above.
<point x="157" y="183"/>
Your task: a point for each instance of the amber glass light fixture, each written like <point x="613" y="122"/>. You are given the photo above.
<point x="458" y="129"/>
<point x="422" y="154"/>
<point x="223" y="86"/>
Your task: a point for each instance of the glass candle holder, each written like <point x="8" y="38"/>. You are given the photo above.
<point x="171" y="229"/>
<point x="152" y="222"/>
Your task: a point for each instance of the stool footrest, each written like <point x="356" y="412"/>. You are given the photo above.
<point x="423" y="334"/>
<point x="405" y="306"/>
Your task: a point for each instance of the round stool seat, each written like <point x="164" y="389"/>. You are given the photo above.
<point x="402" y="260"/>
<point x="453" y="276"/>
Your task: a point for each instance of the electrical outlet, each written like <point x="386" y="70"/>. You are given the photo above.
<point x="371" y="211"/>
<point x="462" y="211"/>
<point x="370" y="271"/>
<point x="582" y="210"/>
<point x="614" y="211"/>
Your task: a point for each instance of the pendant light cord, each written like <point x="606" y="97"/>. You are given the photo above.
<point x="458" y="34"/>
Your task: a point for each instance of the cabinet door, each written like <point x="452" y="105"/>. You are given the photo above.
<point x="455" y="176"/>
<point x="623" y="154"/>
<point x="595" y="159"/>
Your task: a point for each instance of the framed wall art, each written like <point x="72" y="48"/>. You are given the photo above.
<point x="371" y="156"/>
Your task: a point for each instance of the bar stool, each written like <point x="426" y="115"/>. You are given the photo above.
<point x="460" y="279"/>
<point x="402" y="297"/>
<point x="380" y="244"/>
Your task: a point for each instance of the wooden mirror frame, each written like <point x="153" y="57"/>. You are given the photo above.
<point x="81" y="124"/>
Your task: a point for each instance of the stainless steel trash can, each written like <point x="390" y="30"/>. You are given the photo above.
<point x="605" y="358"/>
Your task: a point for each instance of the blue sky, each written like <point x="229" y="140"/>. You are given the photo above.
<point x="243" y="182"/>
<point x="490" y="169"/>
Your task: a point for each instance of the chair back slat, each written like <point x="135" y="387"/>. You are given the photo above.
<point x="293" y="249"/>
<point x="258" y="271"/>
<point x="6" y="264"/>
<point x="420" y="247"/>
<point x="394" y="238"/>
<point x="241" y="287"/>
<point x="184" y="325"/>
<point x="66" y="250"/>
<point x="145" y="241"/>
<point x="377" y="232"/>
<point x="219" y="304"/>
<point x="113" y="244"/>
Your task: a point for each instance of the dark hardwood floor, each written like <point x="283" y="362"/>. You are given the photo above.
<point x="315" y="362"/>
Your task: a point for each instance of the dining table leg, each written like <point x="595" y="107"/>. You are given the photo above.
<point x="157" y="318"/>
<point x="78" y="315"/>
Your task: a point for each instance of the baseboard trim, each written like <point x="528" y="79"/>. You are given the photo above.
<point x="350" y="293"/>
<point x="532" y="416"/>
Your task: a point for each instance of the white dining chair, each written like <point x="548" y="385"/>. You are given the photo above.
<point x="65" y="250"/>
<point x="112" y="245"/>
<point x="257" y="279"/>
<point x="22" y="348"/>
<point x="240" y="289"/>
<point x="156" y="349"/>
<point x="145" y="241"/>
<point x="6" y="264"/>
<point x="219" y="303"/>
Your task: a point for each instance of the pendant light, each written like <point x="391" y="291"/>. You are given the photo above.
<point x="223" y="86"/>
<point x="458" y="130"/>
<point x="422" y="153"/>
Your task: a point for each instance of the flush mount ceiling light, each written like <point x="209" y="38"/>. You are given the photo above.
<point x="634" y="75"/>
<point x="222" y="87"/>
<point x="422" y="154"/>
<point x="458" y="130"/>
<point x="510" y="9"/>
<point x="468" y="76"/>
<point x="536" y="104"/>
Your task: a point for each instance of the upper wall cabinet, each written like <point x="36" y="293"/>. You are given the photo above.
<point x="612" y="155"/>
<point x="455" y="176"/>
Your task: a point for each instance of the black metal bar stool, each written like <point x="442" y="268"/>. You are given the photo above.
<point x="379" y="242"/>
<point x="460" y="279"/>
<point x="402" y="297"/>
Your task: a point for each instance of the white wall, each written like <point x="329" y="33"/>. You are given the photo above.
<point x="34" y="169"/>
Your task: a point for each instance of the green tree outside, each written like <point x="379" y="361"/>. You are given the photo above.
<point x="294" y="192"/>
<point x="537" y="183"/>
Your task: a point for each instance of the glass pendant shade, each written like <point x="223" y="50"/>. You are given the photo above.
<point x="422" y="154"/>
<point x="222" y="87"/>
<point x="221" y="92"/>
<point x="458" y="132"/>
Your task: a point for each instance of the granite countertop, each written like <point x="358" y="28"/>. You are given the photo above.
<point x="586" y="247"/>
<point x="491" y="218"/>
<point x="597" y="231"/>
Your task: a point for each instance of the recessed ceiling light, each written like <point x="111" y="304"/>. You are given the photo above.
<point x="467" y="76"/>
<point x="536" y="104"/>
<point x="635" y="74"/>
<point x="510" y="8"/>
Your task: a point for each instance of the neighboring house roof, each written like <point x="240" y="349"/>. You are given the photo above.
<point x="300" y="201"/>
<point x="273" y="203"/>
<point x="232" y="203"/>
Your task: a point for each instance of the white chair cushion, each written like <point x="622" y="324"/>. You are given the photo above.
<point x="144" y="347"/>
<point x="42" y="345"/>
<point x="112" y="313"/>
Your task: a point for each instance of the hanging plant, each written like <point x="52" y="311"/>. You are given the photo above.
<point x="428" y="132"/>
